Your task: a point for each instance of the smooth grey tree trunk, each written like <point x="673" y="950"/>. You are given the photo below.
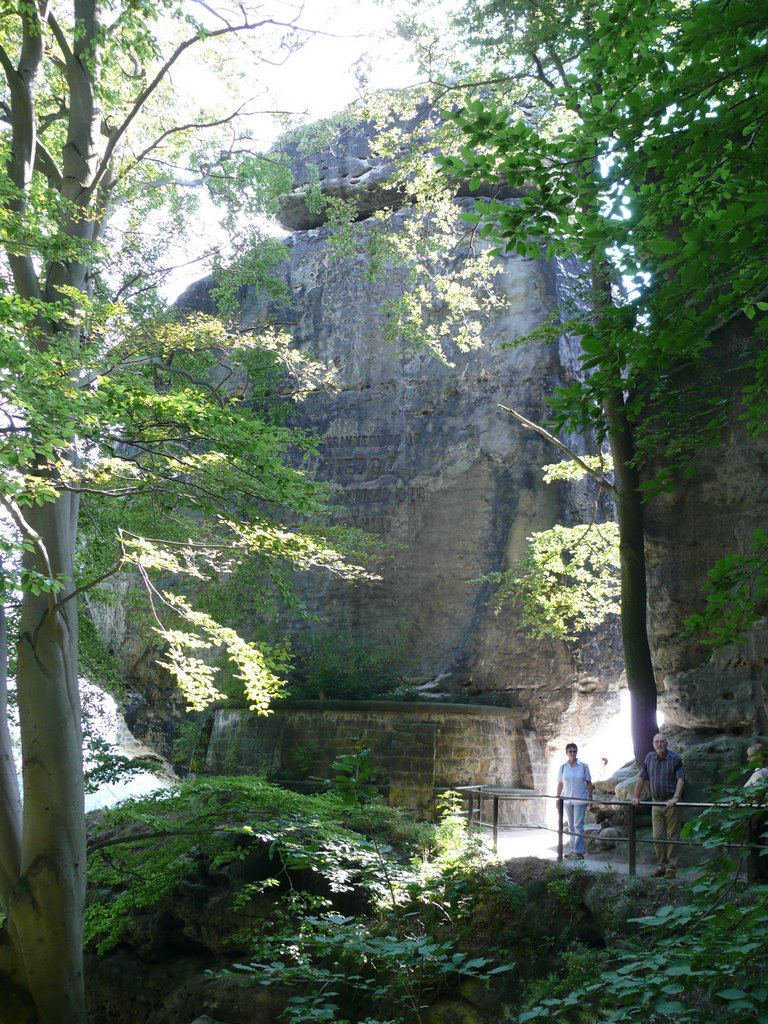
<point x="42" y="845"/>
<point x="43" y="853"/>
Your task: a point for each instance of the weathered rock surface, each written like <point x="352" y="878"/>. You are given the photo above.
<point x="339" y="159"/>
<point x="712" y="511"/>
<point x="347" y="169"/>
<point x="420" y="454"/>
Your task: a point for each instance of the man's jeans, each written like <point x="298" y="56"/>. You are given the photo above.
<point x="667" y="822"/>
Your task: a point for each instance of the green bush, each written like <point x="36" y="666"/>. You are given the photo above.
<point x="338" y="665"/>
<point x="329" y="963"/>
<point x="688" y="963"/>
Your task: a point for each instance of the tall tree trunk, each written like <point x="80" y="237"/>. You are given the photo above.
<point x="634" y="596"/>
<point x="630" y="519"/>
<point x="42" y="850"/>
<point x="42" y="871"/>
<point x="10" y="798"/>
<point x="45" y="908"/>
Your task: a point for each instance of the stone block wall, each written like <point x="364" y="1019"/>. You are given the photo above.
<point x="416" y="749"/>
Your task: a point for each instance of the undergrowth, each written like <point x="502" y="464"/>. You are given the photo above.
<point x="688" y="963"/>
<point x="349" y="884"/>
<point x="356" y="912"/>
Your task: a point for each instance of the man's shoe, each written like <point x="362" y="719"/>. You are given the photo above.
<point x="660" y="872"/>
<point x="670" y="873"/>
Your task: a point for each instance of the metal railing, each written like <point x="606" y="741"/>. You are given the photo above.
<point x="475" y="796"/>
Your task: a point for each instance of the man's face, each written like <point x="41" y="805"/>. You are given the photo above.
<point x="660" y="746"/>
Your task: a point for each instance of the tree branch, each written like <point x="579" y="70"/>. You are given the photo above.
<point x="213" y="390"/>
<point x="88" y="586"/>
<point x="542" y="432"/>
<point x="45" y="163"/>
<point x="28" y="531"/>
<point x="541" y="73"/>
<point x="723" y="321"/>
<point x="141" y="100"/>
<point x="173" y="131"/>
<point x="21" y="116"/>
<point x="94" y="845"/>
<point x="59" y="36"/>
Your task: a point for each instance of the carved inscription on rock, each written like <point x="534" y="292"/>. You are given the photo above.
<point x="362" y="471"/>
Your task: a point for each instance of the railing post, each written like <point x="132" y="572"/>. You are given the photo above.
<point x="632" y="852"/>
<point x="475" y="817"/>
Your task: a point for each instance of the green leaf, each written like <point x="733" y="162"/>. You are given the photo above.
<point x="661" y="246"/>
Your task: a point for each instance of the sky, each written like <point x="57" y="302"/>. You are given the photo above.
<point x="319" y="78"/>
<point x="315" y="82"/>
<point x="350" y="29"/>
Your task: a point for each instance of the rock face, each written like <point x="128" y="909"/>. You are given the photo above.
<point x="419" y="454"/>
<point x="712" y="512"/>
<point x="339" y="159"/>
<point x="346" y="169"/>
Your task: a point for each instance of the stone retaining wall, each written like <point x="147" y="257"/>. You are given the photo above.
<point x="416" y="749"/>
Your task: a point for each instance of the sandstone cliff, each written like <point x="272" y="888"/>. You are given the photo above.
<point x="419" y="454"/>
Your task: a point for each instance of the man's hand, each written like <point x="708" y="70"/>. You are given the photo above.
<point x="671" y="802"/>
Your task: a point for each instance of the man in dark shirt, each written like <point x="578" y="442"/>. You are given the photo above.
<point x="757" y="825"/>
<point x="663" y="771"/>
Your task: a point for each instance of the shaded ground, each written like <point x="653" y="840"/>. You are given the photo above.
<point x="515" y="843"/>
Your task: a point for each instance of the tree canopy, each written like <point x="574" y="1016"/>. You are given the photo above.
<point x="649" y="158"/>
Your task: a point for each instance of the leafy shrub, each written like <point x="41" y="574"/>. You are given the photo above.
<point x="338" y="665"/>
<point x="140" y="851"/>
<point x="390" y="959"/>
<point x="384" y="959"/>
<point x="688" y="963"/>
